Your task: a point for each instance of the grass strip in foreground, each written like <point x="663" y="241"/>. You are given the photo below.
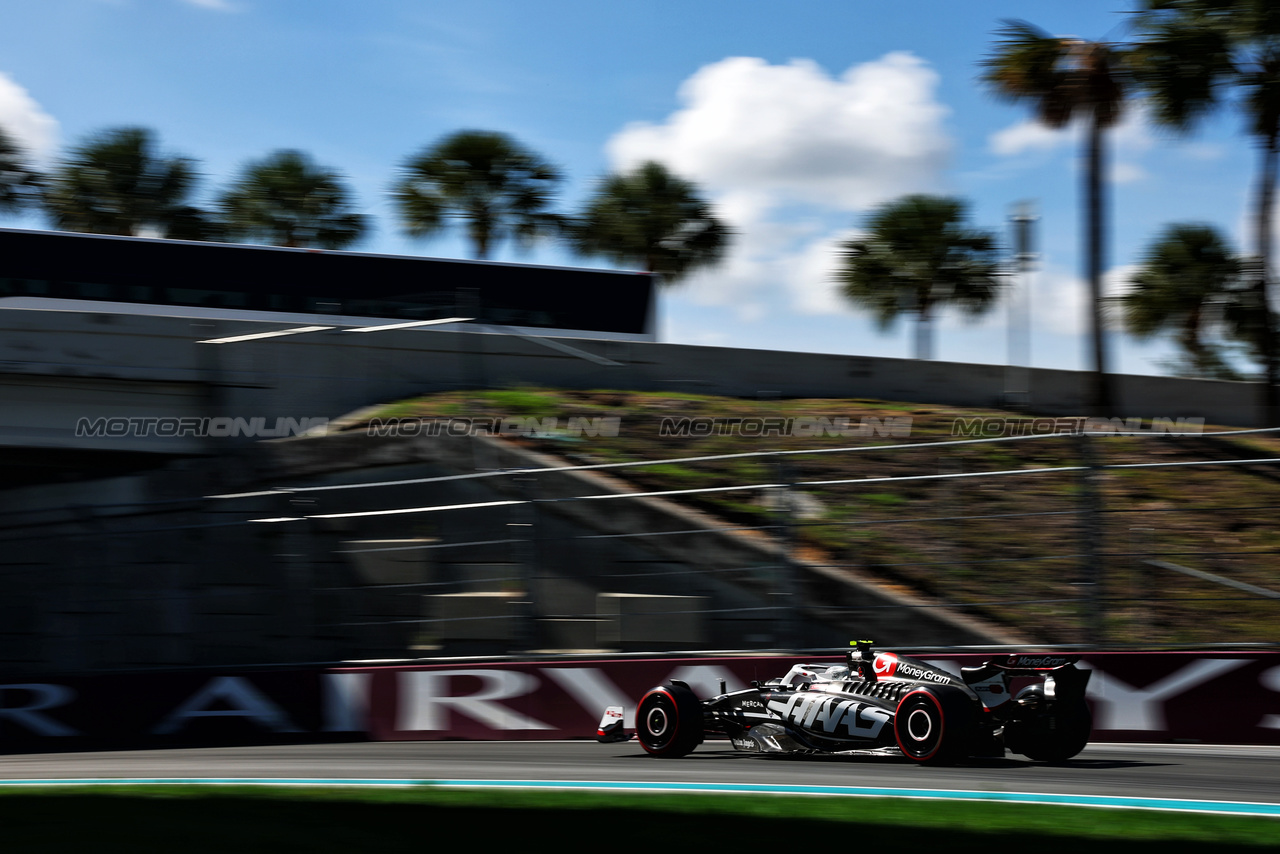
<point x="284" y="819"/>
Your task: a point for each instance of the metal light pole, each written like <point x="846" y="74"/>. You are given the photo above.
<point x="1017" y="373"/>
<point x="1091" y="535"/>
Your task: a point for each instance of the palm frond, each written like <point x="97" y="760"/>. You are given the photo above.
<point x="1182" y="61"/>
<point x="20" y="183"/>
<point x="287" y="200"/>
<point x="118" y="182"/>
<point x="495" y="186"/>
<point x="1190" y="285"/>
<point x="652" y="219"/>
<point x="918" y="253"/>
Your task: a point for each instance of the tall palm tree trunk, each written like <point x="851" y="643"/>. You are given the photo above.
<point x="1266" y="197"/>
<point x="481" y="237"/>
<point x="1191" y="341"/>
<point x="1100" y="393"/>
<point x="924" y="333"/>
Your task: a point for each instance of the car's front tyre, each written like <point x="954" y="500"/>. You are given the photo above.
<point x="669" y="722"/>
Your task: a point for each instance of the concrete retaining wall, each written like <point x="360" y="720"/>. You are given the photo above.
<point x="57" y="367"/>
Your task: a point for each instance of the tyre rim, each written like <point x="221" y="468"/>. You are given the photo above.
<point x="656" y="721"/>
<point x="919" y="725"/>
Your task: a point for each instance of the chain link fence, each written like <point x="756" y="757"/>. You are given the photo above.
<point x="478" y="546"/>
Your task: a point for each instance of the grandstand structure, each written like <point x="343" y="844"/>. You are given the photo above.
<point x="99" y="273"/>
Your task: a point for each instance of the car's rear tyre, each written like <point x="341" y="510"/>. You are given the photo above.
<point x="1052" y="736"/>
<point x="934" y="725"/>
<point x="669" y="722"/>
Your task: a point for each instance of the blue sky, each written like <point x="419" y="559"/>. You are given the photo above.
<point x="796" y="119"/>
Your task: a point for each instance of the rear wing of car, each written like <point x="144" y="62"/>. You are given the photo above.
<point x="1021" y="664"/>
<point x="1031" y="664"/>
<point x="1062" y="679"/>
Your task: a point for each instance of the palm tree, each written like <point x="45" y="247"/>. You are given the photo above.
<point x="19" y="182"/>
<point x="116" y="182"/>
<point x="1190" y="54"/>
<point x="286" y="200"/>
<point x="652" y="219"/>
<point x="1188" y="284"/>
<point x="497" y="187"/>
<point x="919" y="255"/>
<point x="1066" y="78"/>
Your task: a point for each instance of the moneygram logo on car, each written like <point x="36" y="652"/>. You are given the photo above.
<point x="911" y="671"/>
<point x="886" y="664"/>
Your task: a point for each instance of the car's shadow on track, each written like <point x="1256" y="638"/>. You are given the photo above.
<point x="719" y="754"/>
<point x="1092" y="764"/>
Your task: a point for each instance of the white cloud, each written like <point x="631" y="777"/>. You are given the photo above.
<point x="25" y="120"/>
<point x="673" y="329"/>
<point x="1130" y="140"/>
<point x="1131" y="136"/>
<point x="1026" y="135"/>
<point x="1126" y="172"/>
<point x="1059" y="299"/>
<point x="811" y="278"/>
<point x="774" y="267"/>
<point x="788" y="155"/>
<point x="797" y="134"/>
<point x="753" y="271"/>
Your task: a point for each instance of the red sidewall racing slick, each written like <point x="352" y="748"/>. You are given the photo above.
<point x="934" y="725"/>
<point x="669" y="721"/>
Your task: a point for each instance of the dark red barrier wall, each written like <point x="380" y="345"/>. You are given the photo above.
<point x="162" y="710"/>
<point x="1156" y="697"/>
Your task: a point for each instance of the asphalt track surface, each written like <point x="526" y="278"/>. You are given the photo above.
<point x="1236" y="774"/>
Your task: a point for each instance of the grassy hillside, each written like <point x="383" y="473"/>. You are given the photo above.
<point x="1011" y="549"/>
